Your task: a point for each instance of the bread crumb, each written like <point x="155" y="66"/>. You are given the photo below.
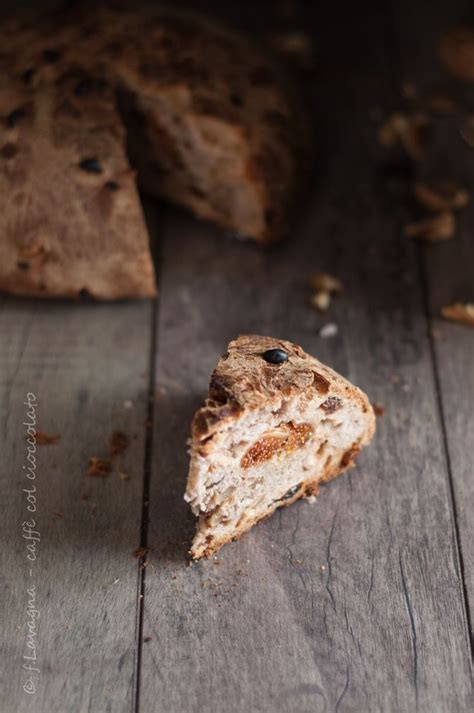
<point x="99" y="468"/>
<point x="46" y="439"/>
<point x="146" y="639"/>
<point x="379" y="410"/>
<point x="408" y="130"/>
<point x="329" y="330"/>
<point x="321" y="301"/>
<point x="437" y="229"/>
<point x="324" y="282"/>
<point x="123" y="476"/>
<point x="325" y="285"/>
<point x="462" y="312"/>
<point x="119" y="442"/>
<point x="444" y="196"/>
<point x="58" y="513"/>
<point x="323" y="568"/>
<point x="128" y="404"/>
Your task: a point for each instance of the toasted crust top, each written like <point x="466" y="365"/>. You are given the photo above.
<point x="243" y="380"/>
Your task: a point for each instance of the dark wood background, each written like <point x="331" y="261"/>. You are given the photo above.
<point x="359" y="603"/>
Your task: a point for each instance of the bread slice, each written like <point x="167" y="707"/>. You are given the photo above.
<point x="276" y="424"/>
<point x="93" y="97"/>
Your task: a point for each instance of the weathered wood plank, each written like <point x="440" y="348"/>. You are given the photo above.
<point x="448" y="267"/>
<point x="355" y="603"/>
<point x="83" y="362"/>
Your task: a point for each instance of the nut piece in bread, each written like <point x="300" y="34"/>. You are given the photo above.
<point x="276" y="424"/>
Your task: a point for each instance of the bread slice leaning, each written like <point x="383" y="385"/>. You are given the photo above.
<point x="268" y="434"/>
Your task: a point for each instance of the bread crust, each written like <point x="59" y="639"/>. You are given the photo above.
<point x="83" y="229"/>
<point x="242" y="382"/>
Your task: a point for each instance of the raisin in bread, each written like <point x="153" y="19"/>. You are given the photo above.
<point x="205" y="118"/>
<point x="276" y="424"/>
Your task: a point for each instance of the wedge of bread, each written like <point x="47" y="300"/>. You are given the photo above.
<point x="276" y="424"/>
<point x="95" y="100"/>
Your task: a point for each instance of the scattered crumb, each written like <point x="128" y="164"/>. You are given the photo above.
<point x="123" y="476"/>
<point x="146" y="639"/>
<point x="99" y="467"/>
<point x="379" y="410"/>
<point x="323" y="568"/>
<point x="324" y="282"/>
<point x="325" y="286"/>
<point x="467" y="131"/>
<point x="128" y="404"/>
<point x="116" y="581"/>
<point x="462" y="312"/>
<point x="140" y="552"/>
<point x="58" y="513"/>
<point x="119" y="442"/>
<point x="329" y="330"/>
<point x="395" y="378"/>
<point x="409" y="130"/>
<point x="46" y="439"/>
<point x="299" y="561"/>
<point x="216" y="562"/>
<point x="444" y="196"/>
<point x="311" y="499"/>
<point x="437" y="229"/>
<point x="321" y="301"/>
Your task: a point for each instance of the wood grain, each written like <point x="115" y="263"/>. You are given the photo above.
<point x="448" y="268"/>
<point x="355" y="603"/>
<point x="83" y="362"/>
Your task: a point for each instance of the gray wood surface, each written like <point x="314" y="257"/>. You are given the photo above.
<point x="357" y="603"/>
<point x="82" y="362"/>
<point x="449" y="267"/>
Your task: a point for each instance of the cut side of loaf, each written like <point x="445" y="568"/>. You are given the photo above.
<point x="95" y="101"/>
<point x="276" y="424"/>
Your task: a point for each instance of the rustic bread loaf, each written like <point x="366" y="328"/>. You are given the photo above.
<point x="206" y="119"/>
<point x="276" y="424"/>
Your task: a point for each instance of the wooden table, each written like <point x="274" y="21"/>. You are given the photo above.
<point x="361" y="602"/>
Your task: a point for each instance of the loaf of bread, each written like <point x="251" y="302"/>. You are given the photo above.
<point x="276" y="424"/>
<point x="93" y="100"/>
